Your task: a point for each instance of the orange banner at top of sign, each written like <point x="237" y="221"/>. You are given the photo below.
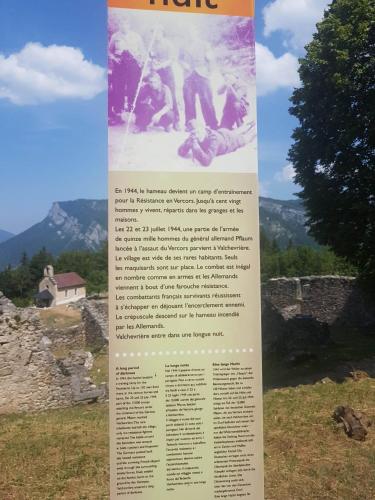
<point x="243" y="8"/>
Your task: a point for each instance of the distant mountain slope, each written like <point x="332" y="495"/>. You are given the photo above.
<point x="285" y="221"/>
<point x="5" y="235"/>
<point x="82" y="224"/>
<point x="69" y="225"/>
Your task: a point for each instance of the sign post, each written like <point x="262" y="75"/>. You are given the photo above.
<point x="185" y="341"/>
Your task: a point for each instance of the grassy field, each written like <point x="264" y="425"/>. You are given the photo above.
<point x="100" y="370"/>
<point x="60" y="454"/>
<point x="307" y="456"/>
<point x="64" y="454"/>
<point x="60" y="317"/>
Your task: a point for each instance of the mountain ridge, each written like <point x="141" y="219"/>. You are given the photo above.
<point x="5" y="235"/>
<point x="69" y="225"/>
<point x="285" y="221"/>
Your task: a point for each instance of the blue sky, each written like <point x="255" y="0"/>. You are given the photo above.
<point x="53" y="140"/>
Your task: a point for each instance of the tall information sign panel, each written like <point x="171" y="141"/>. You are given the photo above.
<point x="185" y="342"/>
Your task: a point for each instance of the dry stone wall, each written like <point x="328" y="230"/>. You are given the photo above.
<point x="95" y="322"/>
<point x="329" y="299"/>
<point x="70" y="338"/>
<point x="298" y="313"/>
<point x="31" y="378"/>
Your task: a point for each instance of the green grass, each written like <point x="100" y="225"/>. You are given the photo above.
<point x="307" y="457"/>
<point x="63" y="454"/>
<point x="99" y="372"/>
<point x="60" y="454"/>
<point x="60" y="317"/>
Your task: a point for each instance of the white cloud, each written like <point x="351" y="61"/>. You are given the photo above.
<point x="275" y="72"/>
<point x="286" y="174"/>
<point x="263" y="188"/>
<point x="296" y="18"/>
<point x="39" y="74"/>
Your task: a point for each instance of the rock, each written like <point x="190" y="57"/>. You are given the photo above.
<point x="25" y="357"/>
<point x="355" y="423"/>
<point x="32" y="379"/>
<point x="5" y="371"/>
<point x="290" y="312"/>
<point x="70" y="338"/>
<point x="89" y="363"/>
<point x="95" y="319"/>
<point x="273" y="328"/>
<point x="326" y="380"/>
<point x="359" y="375"/>
<point x="6" y="306"/>
<point x="45" y="342"/>
<point x="338" y="300"/>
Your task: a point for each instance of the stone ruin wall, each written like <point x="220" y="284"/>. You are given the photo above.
<point x="70" y="338"/>
<point x="328" y="299"/>
<point x="95" y="321"/>
<point x="31" y="378"/>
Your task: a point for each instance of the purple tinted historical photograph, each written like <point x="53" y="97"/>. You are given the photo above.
<point x="182" y="92"/>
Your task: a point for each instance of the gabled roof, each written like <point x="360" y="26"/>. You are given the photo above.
<point x="67" y="280"/>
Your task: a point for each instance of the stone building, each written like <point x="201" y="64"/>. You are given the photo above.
<point x="298" y="314"/>
<point x="59" y="289"/>
<point x="32" y="378"/>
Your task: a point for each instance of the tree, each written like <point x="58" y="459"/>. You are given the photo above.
<point x="77" y="261"/>
<point x="92" y="266"/>
<point x="21" y="283"/>
<point x="265" y="244"/>
<point x="334" y="146"/>
<point x="37" y="264"/>
<point x="7" y="285"/>
<point x="24" y="261"/>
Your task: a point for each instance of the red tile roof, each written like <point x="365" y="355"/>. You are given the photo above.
<point x="67" y="280"/>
